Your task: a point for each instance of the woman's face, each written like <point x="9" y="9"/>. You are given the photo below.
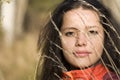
<point x="82" y="37"/>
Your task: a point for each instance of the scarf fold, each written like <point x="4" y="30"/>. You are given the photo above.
<point x="92" y="73"/>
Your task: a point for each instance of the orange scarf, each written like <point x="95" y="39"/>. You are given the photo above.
<point x="93" y="73"/>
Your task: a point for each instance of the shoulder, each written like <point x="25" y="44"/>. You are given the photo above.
<point x="111" y="76"/>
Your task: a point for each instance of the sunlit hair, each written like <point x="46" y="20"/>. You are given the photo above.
<point x="52" y="62"/>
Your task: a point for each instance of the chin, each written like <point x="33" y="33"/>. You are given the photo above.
<point x="84" y="66"/>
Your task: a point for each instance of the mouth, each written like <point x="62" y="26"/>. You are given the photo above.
<point x="82" y="53"/>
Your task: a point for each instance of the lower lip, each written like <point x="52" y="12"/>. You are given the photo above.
<point x="84" y="54"/>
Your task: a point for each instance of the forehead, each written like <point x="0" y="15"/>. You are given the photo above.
<point x="84" y="14"/>
<point x="81" y="17"/>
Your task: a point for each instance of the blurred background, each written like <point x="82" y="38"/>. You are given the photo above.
<point x="20" y="22"/>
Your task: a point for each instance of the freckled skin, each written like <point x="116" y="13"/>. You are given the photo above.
<point x="82" y="33"/>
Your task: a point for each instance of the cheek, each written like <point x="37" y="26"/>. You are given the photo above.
<point x="97" y="44"/>
<point x="67" y="43"/>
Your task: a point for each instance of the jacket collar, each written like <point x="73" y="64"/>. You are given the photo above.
<point x="93" y="73"/>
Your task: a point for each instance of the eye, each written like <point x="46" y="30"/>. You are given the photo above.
<point x="69" y="34"/>
<point x="94" y="32"/>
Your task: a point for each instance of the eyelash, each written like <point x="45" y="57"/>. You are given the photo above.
<point x="70" y="34"/>
<point x="93" y="32"/>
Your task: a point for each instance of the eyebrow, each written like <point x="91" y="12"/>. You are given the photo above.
<point x="92" y="26"/>
<point x="69" y="28"/>
<point x="88" y="27"/>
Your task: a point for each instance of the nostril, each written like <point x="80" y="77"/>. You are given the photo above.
<point x="81" y="40"/>
<point x="81" y="43"/>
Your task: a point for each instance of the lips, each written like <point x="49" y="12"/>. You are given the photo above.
<point x="82" y="53"/>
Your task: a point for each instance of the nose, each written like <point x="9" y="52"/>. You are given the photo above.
<point x="81" y="40"/>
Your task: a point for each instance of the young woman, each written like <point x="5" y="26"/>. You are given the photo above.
<point x="80" y="42"/>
